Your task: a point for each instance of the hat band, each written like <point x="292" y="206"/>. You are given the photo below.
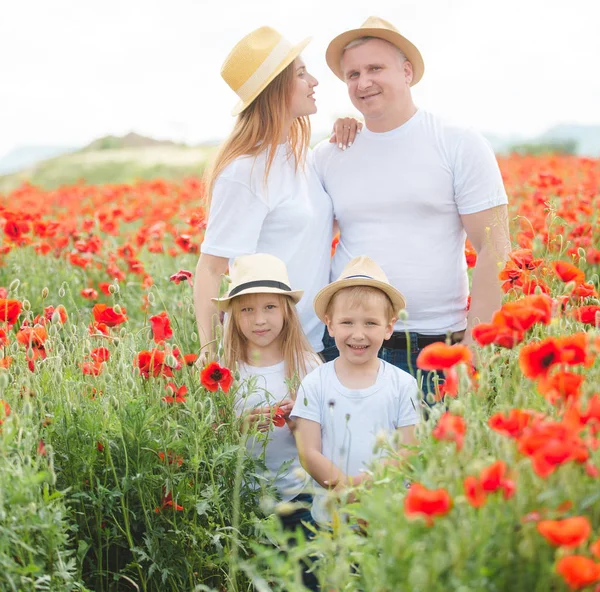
<point x="255" y="81"/>
<point x="260" y="284"/>
<point x="351" y="277"/>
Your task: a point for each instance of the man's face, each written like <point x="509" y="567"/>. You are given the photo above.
<point x="378" y="79"/>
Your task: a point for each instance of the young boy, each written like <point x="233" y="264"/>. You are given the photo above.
<point x="342" y="406"/>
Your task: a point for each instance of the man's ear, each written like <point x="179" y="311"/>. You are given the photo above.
<point x="390" y="327"/>
<point x="408" y="72"/>
<point x="329" y="326"/>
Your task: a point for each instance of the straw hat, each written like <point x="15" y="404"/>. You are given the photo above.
<point x="361" y="271"/>
<point x="258" y="274"/>
<point x="255" y="61"/>
<point x="374" y="27"/>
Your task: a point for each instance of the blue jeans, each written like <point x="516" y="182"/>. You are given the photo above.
<point x="397" y="357"/>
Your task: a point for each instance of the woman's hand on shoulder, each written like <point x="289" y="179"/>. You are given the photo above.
<point x="344" y="132"/>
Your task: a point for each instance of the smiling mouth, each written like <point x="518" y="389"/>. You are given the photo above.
<point x="364" y="98"/>
<point x="358" y="347"/>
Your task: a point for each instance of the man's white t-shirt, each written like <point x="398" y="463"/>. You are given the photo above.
<point x="290" y="217"/>
<point x="398" y="197"/>
<point x="352" y="419"/>
<point x="266" y="386"/>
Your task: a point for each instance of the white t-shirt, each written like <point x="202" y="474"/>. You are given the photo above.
<point x="351" y="419"/>
<point x="266" y="386"/>
<point x="398" y="197"/>
<point x="291" y="217"/>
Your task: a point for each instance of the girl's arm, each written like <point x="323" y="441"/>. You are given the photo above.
<point x="320" y="468"/>
<point x="206" y="286"/>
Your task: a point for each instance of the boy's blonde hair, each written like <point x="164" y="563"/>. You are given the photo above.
<point x="295" y="347"/>
<point x="357" y="295"/>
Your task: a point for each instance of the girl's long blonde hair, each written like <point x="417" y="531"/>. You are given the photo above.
<point x="260" y="127"/>
<point x="296" y="350"/>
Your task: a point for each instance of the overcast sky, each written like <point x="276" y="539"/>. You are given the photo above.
<point x="74" y="70"/>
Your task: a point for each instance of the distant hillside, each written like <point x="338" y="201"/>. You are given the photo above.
<point x="131" y="140"/>
<point x="25" y="156"/>
<point x="586" y="136"/>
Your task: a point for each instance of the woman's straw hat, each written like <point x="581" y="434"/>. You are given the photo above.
<point x="258" y="274"/>
<point x="375" y="27"/>
<point x="361" y="271"/>
<point x="255" y="61"/>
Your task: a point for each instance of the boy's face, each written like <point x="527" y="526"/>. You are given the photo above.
<point x="359" y="330"/>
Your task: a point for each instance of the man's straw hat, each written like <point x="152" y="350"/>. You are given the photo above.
<point x="361" y="271"/>
<point x="375" y="27"/>
<point x="255" y="61"/>
<point x="258" y="274"/>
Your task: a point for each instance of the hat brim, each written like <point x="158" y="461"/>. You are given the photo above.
<point x="294" y="53"/>
<point x="225" y="302"/>
<point x="323" y="298"/>
<point x="335" y="50"/>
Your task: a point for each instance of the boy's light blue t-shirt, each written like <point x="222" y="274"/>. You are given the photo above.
<point x="352" y="419"/>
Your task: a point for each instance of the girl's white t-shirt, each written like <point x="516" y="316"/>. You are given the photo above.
<point x="351" y="419"/>
<point x="267" y="386"/>
<point x="291" y="217"/>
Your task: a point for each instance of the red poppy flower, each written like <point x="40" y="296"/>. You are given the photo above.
<point x="190" y="359"/>
<point x="60" y="310"/>
<point x="152" y="362"/>
<point x="278" y="417"/>
<point x="4" y="410"/>
<point x="441" y="356"/>
<point x="171" y="458"/>
<point x="595" y="549"/>
<point x="105" y="288"/>
<point x="451" y="428"/>
<point x="589" y="315"/>
<point x="536" y="359"/>
<point x="100" y="354"/>
<point x="426" y="503"/>
<point x="511" y="424"/>
<point x="474" y="492"/>
<point x="214" y="376"/>
<point x="177" y="394"/>
<point x="168" y="503"/>
<point x="108" y="315"/>
<point x="523" y="258"/>
<point x="92" y="368"/>
<point x="578" y="571"/>
<point x="4" y="340"/>
<point x="10" y="310"/>
<point x="562" y="386"/>
<point x="182" y="275"/>
<point x="89" y="293"/>
<point x="568" y="272"/>
<point x="34" y="337"/>
<point x="161" y="327"/>
<point x="569" y="532"/>
<point x="522" y="314"/>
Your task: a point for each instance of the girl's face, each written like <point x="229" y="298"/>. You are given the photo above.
<point x="261" y="321"/>
<point x="303" y="99"/>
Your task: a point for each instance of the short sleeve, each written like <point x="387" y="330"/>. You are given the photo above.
<point x="478" y="182"/>
<point x="319" y="158"/>
<point x="308" y="398"/>
<point x="407" y="403"/>
<point x="235" y="220"/>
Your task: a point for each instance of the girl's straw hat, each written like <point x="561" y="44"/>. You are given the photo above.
<point x="361" y="271"/>
<point x="258" y="274"/>
<point x="375" y="27"/>
<point x="255" y="61"/>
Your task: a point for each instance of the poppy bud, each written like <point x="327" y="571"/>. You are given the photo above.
<point x="45" y="293"/>
<point x="199" y="407"/>
<point x="113" y="288"/>
<point x="457" y="407"/>
<point x="30" y="353"/>
<point x="170" y="361"/>
<point x="116" y="341"/>
<point x="194" y="336"/>
<point x="14" y="285"/>
<point x="130" y="383"/>
<point x="403" y="315"/>
<point x="538" y="290"/>
<point x="55" y="318"/>
<point x="114" y="402"/>
<point x="61" y="292"/>
<point x="26" y="409"/>
<point x="151" y="299"/>
<point x="581" y="253"/>
<point x="118" y="310"/>
<point x="26" y="304"/>
<point x="53" y="330"/>
<point x="4" y="380"/>
<point x="570" y="286"/>
<point x="123" y="333"/>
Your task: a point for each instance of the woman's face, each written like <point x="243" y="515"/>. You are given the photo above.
<point x="303" y="99"/>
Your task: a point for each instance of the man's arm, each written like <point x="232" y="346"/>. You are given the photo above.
<point x="320" y="468"/>
<point x="489" y="234"/>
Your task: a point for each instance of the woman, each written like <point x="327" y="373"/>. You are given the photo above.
<point x="265" y="196"/>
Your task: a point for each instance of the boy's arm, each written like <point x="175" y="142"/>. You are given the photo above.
<point x="320" y="468"/>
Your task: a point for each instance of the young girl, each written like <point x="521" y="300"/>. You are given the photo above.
<point x="264" y="339"/>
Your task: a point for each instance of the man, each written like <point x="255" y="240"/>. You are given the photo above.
<point x="409" y="191"/>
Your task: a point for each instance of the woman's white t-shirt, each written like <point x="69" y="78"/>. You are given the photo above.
<point x="291" y="217"/>
<point x="266" y="386"/>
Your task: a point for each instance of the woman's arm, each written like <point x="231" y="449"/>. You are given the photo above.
<point x="206" y="286"/>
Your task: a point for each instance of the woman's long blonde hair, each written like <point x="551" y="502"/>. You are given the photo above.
<point x="295" y="349"/>
<point x="260" y="127"/>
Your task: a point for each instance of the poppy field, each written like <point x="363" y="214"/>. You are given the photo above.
<point x="124" y="467"/>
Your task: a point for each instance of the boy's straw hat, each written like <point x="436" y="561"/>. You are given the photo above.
<point x="255" y="61"/>
<point x="361" y="271"/>
<point x="258" y="274"/>
<point x="374" y="27"/>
